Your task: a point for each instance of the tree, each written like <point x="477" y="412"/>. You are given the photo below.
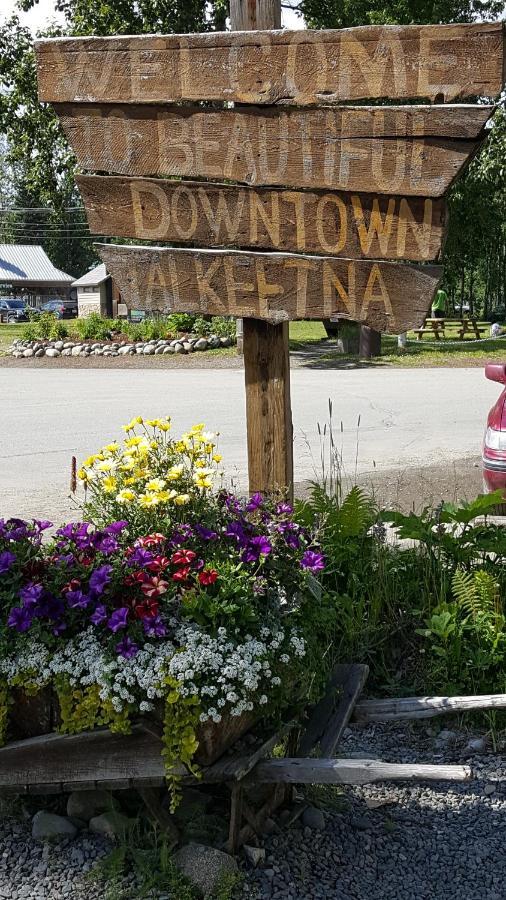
<point x="346" y="13"/>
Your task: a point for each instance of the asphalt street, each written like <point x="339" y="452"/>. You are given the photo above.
<point x="383" y="419"/>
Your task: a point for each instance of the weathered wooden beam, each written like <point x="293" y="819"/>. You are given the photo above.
<point x="235" y="767"/>
<point x="219" y="215"/>
<point x="274" y="287"/>
<point x="423" y="707"/>
<point x="351" y="771"/>
<point x="437" y="62"/>
<point x="326" y="707"/>
<point x="96" y="757"/>
<point x="351" y="689"/>
<point x="416" y="151"/>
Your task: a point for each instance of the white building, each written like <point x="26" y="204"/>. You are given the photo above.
<point x="96" y="293"/>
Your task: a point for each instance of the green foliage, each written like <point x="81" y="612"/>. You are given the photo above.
<point x="347" y="13"/>
<point x="223" y="327"/>
<point x="44" y="327"/>
<point x="29" y="332"/>
<point x="59" y="330"/>
<point x="180" y="742"/>
<point x="93" y="327"/>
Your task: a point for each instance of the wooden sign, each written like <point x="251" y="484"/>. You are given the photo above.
<point x="400" y="150"/>
<point x="439" y="63"/>
<point x="336" y="191"/>
<point x="275" y="287"/>
<point x="220" y="215"/>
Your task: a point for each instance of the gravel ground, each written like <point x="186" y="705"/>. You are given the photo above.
<point x="396" y="842"/>
<point x="380" y="842"/>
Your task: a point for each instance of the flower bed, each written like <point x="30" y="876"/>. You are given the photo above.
<point x="171" y="600"/>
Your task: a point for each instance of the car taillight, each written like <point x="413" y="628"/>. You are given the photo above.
<point x="495" y="440"/>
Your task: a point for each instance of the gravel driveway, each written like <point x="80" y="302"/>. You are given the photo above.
<point x="379" y="842"/>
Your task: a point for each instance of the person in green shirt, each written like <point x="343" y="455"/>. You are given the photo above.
<point x="439" y="304"/>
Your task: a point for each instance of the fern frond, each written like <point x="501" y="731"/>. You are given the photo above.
<point x="356" y="513"/>
<point x="475" y="592"/>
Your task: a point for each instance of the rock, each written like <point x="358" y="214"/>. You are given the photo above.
<point x="225" y="341"/>
<point x="201" y="344"/>
<point x="174" y="342"/>
<point x="489" y="789"/>
<point x="76" y="350"/>
<point x="139" y="349"/>
<point x="28" y="352"/>
<point x="58" y="345"/>
<point x="18" y="353"/>
<point x="67" y="352"/>
<point x="40" y="352"/>
<point x="48" y="826"/>
<point x="168" y="349"/>
<point x="476" y="745"/>
<point x="446" y="736"/>
<point x="313" y="818"/>
<point x="179" y="349"/>
<point x="204" y="866"/>
<point x="214" y="342"/>
<point x="110" y="824"/>
<point x="159" y="350"/>
<point x="376" y="803"/>
<point x="125" y="349"/>
<point x="52" y="352"/>
<point x="96" y="346"/>
<point x="68" y="345"/>
<point x="254" y="855"/>
<point x="188" y="346"/>
<point x="360" y="822"/>
<point x="87" y="804"/>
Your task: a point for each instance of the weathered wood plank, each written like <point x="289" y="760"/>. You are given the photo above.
<point x="391" y="150"/>
<point x="351" y="771"/>
<point x="275" y="287"/>
<point x="331" y="715"/>
<point x="301" y="67"/>
<point x="423" y="707"/>
<point x="237" y="766"/>
<point x="94" y="756"/>
<point x="220" y="215"/>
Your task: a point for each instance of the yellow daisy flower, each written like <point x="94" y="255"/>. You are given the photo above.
<point x="125" y="496"/>
<point x="148" y="500"/>
<point x="182" y="499"/>
<point x="156" y="485"/>
<point x="109" y="484"/>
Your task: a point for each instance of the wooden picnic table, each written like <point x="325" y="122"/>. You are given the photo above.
<point x="466" y="325"/>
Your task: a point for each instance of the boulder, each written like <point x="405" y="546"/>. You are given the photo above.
<point x="40" y="352"/>
<point x="179" y="349"/>
<point x="76" y="350"/>
<point x="67" y="352"/>
<point x="48" y="826"/>
<point x="68" y="345"/>
<point x="58" y="345"/>
<point x="28" y="352"/>
<point x="124" y="349"/>
<point x="168" y="349"/>
<point x="159" y="350"/>
<point x="205" y="867"/>
<point x="149" y="350"/>
<point x="201" y="344"/>
<point x="52" y="352"/>
<point x="110" y="824"/>
<point x="188" y="346"/>
<point x="214" y="342"/>
<point x="88" y="804"/>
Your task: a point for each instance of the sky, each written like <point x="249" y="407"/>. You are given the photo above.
<point x="44" y="12"/>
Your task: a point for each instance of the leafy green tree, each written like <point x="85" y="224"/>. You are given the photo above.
<point x="347" y="13"/>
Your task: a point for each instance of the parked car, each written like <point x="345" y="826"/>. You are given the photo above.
<point x="494" y="442"/>
<point x="12" y="310"/>
<point x="61" y="309"/>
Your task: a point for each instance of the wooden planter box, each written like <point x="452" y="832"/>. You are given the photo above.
<point x="39" y="714"/>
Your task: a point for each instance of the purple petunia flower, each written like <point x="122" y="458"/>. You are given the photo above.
<point x="106" y="544"/>
<point x="31" y="594"/>
<point x="206" y="534"/>
<point x="99" y="616"/>
<point x="77" y="600"/>
<point x="59" y="628"/>
<point x="257" y="547"/>
<point x="154" y="627"/>
<point x="99" y="579"/>
<point x="17" y="530"/>
<point x="284" y="509"/>
<point x="127" y="648"/>
<point x="49" y="607"/>
<point x="6" y="561"/>
<point x="140" y="557"/>
<point x="20" y="618"/>
<point x="67" y="559"/>
<point x="180" y="535"/>
<point x="118" y="619"/>
<point x="237" y="531"/>
<point x="254" y="502"/>
<point x="312" y="561"/>
<point x="42" y="525"/>
<point x="115" y="527"/>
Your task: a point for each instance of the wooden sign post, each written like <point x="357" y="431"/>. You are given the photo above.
<point x="266" y="350"/>
<point x="246" y="143"/>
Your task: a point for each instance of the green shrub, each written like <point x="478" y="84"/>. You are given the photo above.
<point x="223" y="327"/>
<point x="45" y="324"/>
<point x="93" y="327"/>
<point x="180" y="322"/>
<point x="30" y="332"/>
<point x="202" y="326"/>
<point x="59" y="331"/>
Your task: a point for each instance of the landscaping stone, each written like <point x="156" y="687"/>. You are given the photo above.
<point x="111" y="824"/>
<point x="40" y="353"/>
<point x="67" y="352"/>
<point x="201" y="344"/>
<point x="28" y="352"/>
<point x="76" y="350"/>
<point x="476" y="745"/>
<point x="52" y="352"/>
<point x="254" y="855"/>
<point x="313" y="818"/>
<point x="88" y="804"/>
<point x="204" y="866"/>
<point x="47" y="826"/>
<point x="168" y="349"/>
<point x="179" y="348"/>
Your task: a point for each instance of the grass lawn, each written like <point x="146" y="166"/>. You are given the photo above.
<point x="9" y="333"/>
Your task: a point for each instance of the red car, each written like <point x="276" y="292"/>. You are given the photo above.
<point x="494" y="442"/>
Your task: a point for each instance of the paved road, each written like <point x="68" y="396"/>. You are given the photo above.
<point x="390" y="418"/>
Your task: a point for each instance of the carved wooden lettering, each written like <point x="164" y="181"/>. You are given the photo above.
<point x="274" y="67"/>
<point x="220" y="215"/>
<point x="275" y="287"/>
<point x="415" y="151"/>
